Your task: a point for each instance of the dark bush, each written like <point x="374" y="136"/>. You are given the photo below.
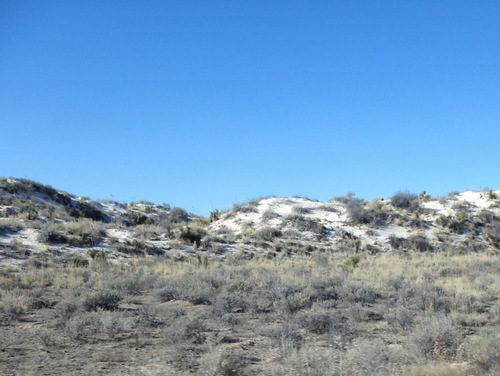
<point x="405" y="200"/>
<point x="358" y="214"/>
<point x="269" y="214"/>
<point x="318" y="321"/>
<point x="178" y="215"/>
<point x="51" y="235"/>
<point x="492" y="234"/>
<point x="419" y="243"/>
<point x="396" y="243"/>
<point x="106" y="300"/>
<point x="231" y="302"/>
<point x="192" y="234"/>
<point x="359" y="293"/>
<point x="268" y="233"/>
<point x="86" y="210"/>
<point x="325" y="289"/>
<point x="305" y="224"/>
<point x="452" y="224"/>
<point x="301" y="210"/>
<point x="487" y="216"/>
<point x="294" y="302"/>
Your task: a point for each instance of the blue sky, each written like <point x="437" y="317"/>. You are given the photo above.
<point x="200" y="104"/>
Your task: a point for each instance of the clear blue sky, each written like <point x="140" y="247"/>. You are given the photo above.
<point x="200" y="104"/>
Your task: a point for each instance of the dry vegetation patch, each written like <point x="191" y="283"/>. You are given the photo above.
<point x="388" y="314"/>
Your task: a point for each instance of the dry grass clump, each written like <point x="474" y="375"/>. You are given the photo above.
<point x="10" y="224"/>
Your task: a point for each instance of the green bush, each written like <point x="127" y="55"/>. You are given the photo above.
<point x="352" y="261"/>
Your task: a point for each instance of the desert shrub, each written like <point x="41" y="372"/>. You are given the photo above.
<point x="178" y="215"/>
<point x="247" y="208"/>
<point x="467" y="303"/>
<point x="105" y="300"/>
<point x="359" y="214"/>
<point x="10" y="225"/>
<point x="369" y="356"/>
<point x="487" y="217"/>
<point x="195" y="290"/>
<point x="293" y="302"/>
<point x="348" y="197"/>
<point x="129" y="284"/>
<point x="147" y="316"/>
<point x="419" y="243"/>
<point x="137" y="218"/>
<point x="267" y="233"/>
<point x="305" y="224"/>
<point x="87" y="231"/>
<point x="352" y="261"/>
<point x="425" y="297"/>
<point x="38" y="299"/>
<point x="322" y="289"/>
<point x="491" y="233"/>
<point x="81" y="325"/>
<point x="405" y="200"/>
<point x="483" y="352"/>
<point x="269" y="214"/>
<point x="87" y="210"/>
<point x="168" y="292"/>
<point x="48" y="338"/>
<point x="396" y="242"/>
<point x="400" y="316"/>
<point x="112" y="323"/>
<point x="146" y="232"/>
<point x="453" y="224"/>
<point x="286" y="335"/>
<point x="97" y="255"/>
<point x="52" y="233"/>
<point x="216" y="362"/>
<point x="416" y="221"/>
<point x="230" y="302"/>
<point x="414" y="242"/>
<point x="18" y="248"/>
<point x="172" y="219"/>
<point x="313" y="360"/>
<point x="359" y="293"/>
<point x="328" y="208"/>
<point x="192" y="234"/>
<point x="301" y="210"/>
<point x="64" y="310"/>
<point x="432" y="369"/>
<point x="13" y="304"/>
<point x="185" y="328"/>
<point x="319" y="320"/>
<point x="436" y="337"/>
